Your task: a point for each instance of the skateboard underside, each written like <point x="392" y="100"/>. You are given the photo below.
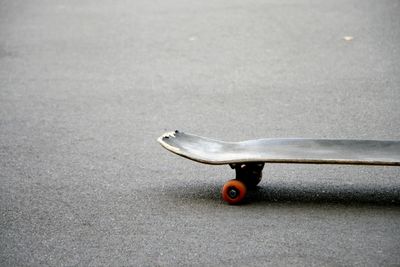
<point x="317" y="151"/>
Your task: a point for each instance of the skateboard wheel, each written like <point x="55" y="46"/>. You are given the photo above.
<point x="233" y="191"/>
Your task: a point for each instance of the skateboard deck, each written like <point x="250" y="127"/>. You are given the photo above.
<point x="286" y="150"/>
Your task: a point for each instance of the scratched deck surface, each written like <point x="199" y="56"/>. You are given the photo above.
<point x="319" y="151"/>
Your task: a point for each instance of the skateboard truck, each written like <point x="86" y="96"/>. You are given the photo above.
<point x="249" y="173"/>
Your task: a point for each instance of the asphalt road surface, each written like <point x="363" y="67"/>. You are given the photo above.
<point x="86" y="87"/>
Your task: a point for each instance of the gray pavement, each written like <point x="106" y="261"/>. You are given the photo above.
<point x="86" y="87"/>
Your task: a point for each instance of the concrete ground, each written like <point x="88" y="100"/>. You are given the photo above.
<point x="86" y="87"/>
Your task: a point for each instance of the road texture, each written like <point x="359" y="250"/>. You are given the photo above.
<point x="86" y="87"/>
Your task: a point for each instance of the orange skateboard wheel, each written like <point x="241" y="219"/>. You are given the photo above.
<point x="233" y="191"/>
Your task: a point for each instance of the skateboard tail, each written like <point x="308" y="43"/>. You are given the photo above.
<point x="165" y="144"/>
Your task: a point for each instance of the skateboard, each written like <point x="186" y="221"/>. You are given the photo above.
<point x="248" y="158"/>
